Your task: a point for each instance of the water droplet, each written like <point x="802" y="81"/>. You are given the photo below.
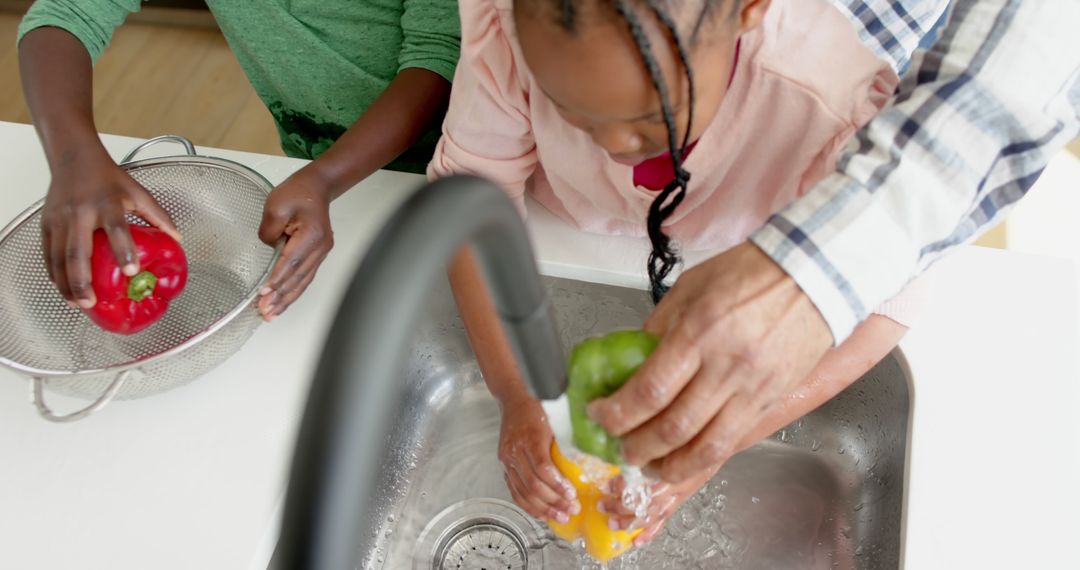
<point x="859" y="507"/>
<point x="859" y="551"/>
<point x="755" y="500"/>
<point x="815" y="446"/>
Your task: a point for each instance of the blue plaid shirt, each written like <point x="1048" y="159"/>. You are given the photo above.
<point x="972" y="125"/>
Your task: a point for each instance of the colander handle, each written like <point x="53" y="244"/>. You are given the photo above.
<point x="38" y="397"/>
<point x="188" y="147"/>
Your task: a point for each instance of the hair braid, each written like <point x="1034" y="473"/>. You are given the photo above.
<point x="684" y="58"/>
<point x="568" y="14"/>
<point x="663" y="258"/>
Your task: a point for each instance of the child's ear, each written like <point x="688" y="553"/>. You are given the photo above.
<point x="751" y="14"/>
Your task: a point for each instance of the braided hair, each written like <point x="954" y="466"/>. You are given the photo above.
<point x="664" y="256"/>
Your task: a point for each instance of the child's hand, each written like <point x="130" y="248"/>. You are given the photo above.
<point x="299" y="211"/>
<point x="525" y="452"/>
<point x="666" y="499"/>
<point x="87" y="192"/>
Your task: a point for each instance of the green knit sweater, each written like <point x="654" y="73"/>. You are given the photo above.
<point x="316" y="64"/>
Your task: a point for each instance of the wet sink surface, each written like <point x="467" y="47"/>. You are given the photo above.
<point x="825" y="492"/>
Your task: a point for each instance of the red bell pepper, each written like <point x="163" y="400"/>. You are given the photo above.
<point x="127" y="305"/>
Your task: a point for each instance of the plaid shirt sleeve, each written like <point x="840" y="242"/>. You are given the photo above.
<point x="971" y="127"/>
<point x="893" y="28"/>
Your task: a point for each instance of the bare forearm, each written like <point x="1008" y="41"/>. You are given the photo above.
<point x="413" y="101"/>
<point x="838" y="369"/>
<point x="485" y="332"/>
<point x="57" y="78"/>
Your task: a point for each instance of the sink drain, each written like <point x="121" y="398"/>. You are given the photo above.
<point x="480" y="534"/>
<point x="484" y="546"/>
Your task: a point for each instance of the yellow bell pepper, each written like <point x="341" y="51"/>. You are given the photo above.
<point x="590" y="524"/>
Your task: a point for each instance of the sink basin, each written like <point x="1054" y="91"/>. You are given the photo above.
<point x="825" y="492"/>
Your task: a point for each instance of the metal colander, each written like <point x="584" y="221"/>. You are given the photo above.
<point x="217" y="205"/>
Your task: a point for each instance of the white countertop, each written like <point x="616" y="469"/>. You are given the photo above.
<point x="192" y="478"/>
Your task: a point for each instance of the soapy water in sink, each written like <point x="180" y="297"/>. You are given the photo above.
<point x="698" y="536"/>
<point x="637" y="492"/>
<point x="719" y="528"/>
<point x="807" y="490"/>
<point x="791" y="525"/>
<point x="768" y="509"/>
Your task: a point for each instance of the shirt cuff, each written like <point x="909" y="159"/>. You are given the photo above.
<point x="843" y="247"/>
<point x="94" y="48"/>
<point x="909" y="305"/>
<point x="441" y="67"/>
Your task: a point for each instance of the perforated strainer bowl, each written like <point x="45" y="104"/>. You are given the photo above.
<point x="217" y="205"/>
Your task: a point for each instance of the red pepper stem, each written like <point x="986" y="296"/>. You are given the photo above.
<point x="141" y="286"/>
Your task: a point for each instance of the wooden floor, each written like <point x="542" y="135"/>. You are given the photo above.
<point x="155" y="80"/>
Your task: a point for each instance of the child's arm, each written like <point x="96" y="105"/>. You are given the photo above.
<point x="838" y="369"/>
<point x="843" y="365"/>
<point x="488" y="132"/>
<point x="488" y="128"/>
<point x="414" y="101"/>
<point x="493" y="352"/>
<point x="87" y="190"/>
<point x="299" y="208"/>
<point x="525" y="439"/>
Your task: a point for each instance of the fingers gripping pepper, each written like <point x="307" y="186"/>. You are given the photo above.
<point x="591" y="524"/>
<point x="127" y="305"/>
<point x="598" y="367"/>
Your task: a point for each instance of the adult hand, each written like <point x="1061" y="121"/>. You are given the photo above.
<point x="737" y="336"/>
<point x="534" y="482"/>
<point x="299" y="211"/>
<point x="88" y="191"/>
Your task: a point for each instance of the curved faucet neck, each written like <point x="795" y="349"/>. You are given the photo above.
<point x="357" y="390"/>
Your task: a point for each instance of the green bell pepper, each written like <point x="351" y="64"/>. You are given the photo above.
<point x="598" y="367"/>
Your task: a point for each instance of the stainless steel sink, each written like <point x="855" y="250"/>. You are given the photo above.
<point x="825" y="492"/>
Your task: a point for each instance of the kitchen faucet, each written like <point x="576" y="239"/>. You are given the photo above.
<point x="358" y="387"/>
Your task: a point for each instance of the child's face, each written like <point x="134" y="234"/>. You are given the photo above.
<point x="595" y="75"/>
